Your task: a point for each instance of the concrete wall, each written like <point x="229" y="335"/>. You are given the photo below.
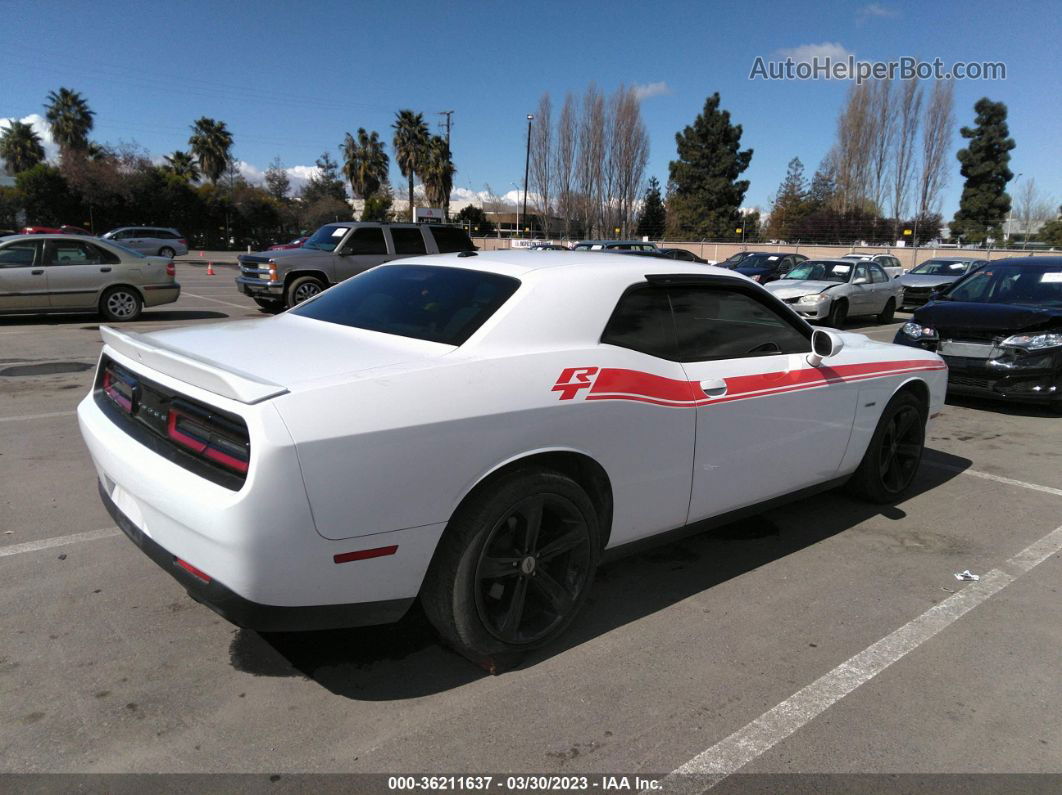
<point x="720" y="251"/>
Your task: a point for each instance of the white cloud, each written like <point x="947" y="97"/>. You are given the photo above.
<point x="807" y="53"/>
<point x="876" y="10"/>
<point x="298" y="175"/>
<point x="40" y="126"/>
<point x="644" y="91"/>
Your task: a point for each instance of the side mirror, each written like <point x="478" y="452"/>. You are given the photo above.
<point x="860" y="280"/>
<point x="824" y="344"/>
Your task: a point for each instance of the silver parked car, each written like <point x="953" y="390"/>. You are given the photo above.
<point x="71" y="273"/>
<point x="151" y="240"/>
<point x="892" y="266"/>
<point x="833" y="289"/>
<point x="933" y="274"/>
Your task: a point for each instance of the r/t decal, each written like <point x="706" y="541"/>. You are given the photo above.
<point x="572" y="379"/>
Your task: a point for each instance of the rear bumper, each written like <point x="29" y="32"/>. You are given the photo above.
<point x="252" y="615"/>
<point x="157" y="294"/>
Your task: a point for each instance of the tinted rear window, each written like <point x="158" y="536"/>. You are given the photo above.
<point x="444" y="305"/>
<point x="408" y="240"/>
<point x="449" y="239"/>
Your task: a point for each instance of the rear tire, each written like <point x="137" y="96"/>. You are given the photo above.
<point x="838" y="314"/>
<point x="889" y="312"/>
<point x="301" y="289"/>
<point x="514" y="566"/>
<point x="121" y="304"/>
<point x="167" y="252"/>
<point x="891" y="461"/>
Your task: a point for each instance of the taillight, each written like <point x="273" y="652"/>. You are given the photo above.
<point x="121" y="391"/>
<point x="183" y="242"/>
<point x="209" y="436"/>
<point x="171" y="269"/>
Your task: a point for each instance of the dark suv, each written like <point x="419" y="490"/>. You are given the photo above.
<point x="335" y="252"/>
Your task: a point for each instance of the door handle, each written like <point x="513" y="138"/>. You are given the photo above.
<point x="105" y="270"/>
<point x="714" y="388"/>
<point x="37" y="272"/>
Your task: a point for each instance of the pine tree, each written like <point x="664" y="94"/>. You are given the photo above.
<point x="707" y="192"/>
<point x="277" y="181"/>
<point x="325" y="184"/>
<point x="653" y="218"/>
<point x="790" y="203"/>
<point x="984" y="202"/>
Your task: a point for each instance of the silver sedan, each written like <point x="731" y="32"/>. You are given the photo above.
<point x="71" y="273"/>
<point x="831" y="290"/>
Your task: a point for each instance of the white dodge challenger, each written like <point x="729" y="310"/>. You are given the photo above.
<point x="474" y="431"/>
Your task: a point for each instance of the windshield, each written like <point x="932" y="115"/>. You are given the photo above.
<point x="941" y="267"/>
<point x="815" y="271"/>
<point x="1011" y="284"/>
<point x="444" y="305"/>
<point x="326" y="238"/>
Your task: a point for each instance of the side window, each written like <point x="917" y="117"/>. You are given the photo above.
<point x="877" y="275"/>
<point x="861" y="273"/>
<point x="71" y="252"/>
<point x="450" y="239"/>
<point x="20" y="254"/>
<point x="642" y="322"/>
<point x="367" y="240"/>
<point x="408" y="240"/>
<point x="105" y="257"/>
<point x="714" y="323"/>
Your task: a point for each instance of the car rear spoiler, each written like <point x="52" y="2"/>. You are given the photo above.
<point x="190" y="368"/>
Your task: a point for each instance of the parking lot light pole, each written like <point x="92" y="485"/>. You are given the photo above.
<point x="527" y="162"/>
<point x="516" y="204"/>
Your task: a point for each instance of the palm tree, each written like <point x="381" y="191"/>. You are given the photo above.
<point x="183" y="165"/>
<point x="211" y="143"/>
<point x="411" y="146"/>
<point x="438" y="174"/>
<point x="21" y="147"/>
<point x="70" y="119"/>
<point x="365" y="163"/>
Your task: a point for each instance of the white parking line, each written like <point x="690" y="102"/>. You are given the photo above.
<point x="217" y="301"/>
<point x="729" y="755"/>
<point x="997" y="478"/>
<point x="38" y="416"/>
<point x="59" y="541"/>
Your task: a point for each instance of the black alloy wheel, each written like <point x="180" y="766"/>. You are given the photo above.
<point x="901" y="450"/>
<point x="533" y="568"/>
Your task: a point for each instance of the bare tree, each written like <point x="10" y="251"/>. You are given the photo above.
<point x="542" y="174"/>
<point x="904" y="151"/>
<point x="854" y="148"/>
<point x="1032" y="209"/>
<point x="590" y="157"/>
<point x="937" y="133"/>
<point x="564" y="168"/>
<point x="629" y="153"/>
<point x="881" y="132"/>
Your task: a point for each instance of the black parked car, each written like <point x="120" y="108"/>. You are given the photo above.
<point x="682" y="255"/>
<point x="763" y="266"/>
<point x="999" y="329"/>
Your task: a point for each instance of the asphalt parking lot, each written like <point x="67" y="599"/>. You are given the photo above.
<point x="825" y="637"/>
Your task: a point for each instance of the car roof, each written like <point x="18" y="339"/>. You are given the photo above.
<point x="615" y="243"/>
<point x="350" y="224"/>
<point x="520" y="263"/>
<point x="1050" y="262"/>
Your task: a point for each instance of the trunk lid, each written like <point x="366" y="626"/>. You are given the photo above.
<point x="255" y="360"/>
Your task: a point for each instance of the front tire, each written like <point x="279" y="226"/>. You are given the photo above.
<point x="514" y="566"/>
<point x="121" y="304"/>
<point x="270" y="304"/>
<point x="891" y="461"/>
<point x="838" y="314"/>
<point x="302" y="289"/>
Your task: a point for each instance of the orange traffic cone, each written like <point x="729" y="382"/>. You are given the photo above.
<point x="210" y="269"/>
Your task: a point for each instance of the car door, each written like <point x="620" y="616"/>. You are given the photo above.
<point x="861" y="299"/>
<point x="23" y="281"/>
<point x="365" y="247"/>
<point x="76" y="271"/>
<point x="768" y="423"/>
<point x="882" y="287"/>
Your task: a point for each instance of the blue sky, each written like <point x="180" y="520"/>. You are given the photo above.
<point x="291" y="79"/>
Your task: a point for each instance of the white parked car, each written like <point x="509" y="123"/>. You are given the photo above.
<point x="477" y="430"/>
